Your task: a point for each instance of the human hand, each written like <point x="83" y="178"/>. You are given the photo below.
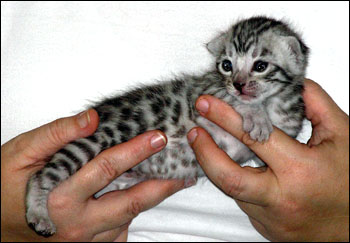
<point x="303" y="194"/>
<point x="72" y="207"/>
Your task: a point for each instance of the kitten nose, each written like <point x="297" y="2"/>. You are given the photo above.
<point x="239" y="86"/>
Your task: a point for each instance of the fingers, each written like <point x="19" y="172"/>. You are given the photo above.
<point x="113" y="162"/>
<point x="120" y="207"/>
<point x="47" y="139"/>
<point x="278" y="149"/>
<point x="245" y="184"/>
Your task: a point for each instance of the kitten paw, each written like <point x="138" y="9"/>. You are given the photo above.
<point x="40" y="223"/>
<point x="258" y="126"/>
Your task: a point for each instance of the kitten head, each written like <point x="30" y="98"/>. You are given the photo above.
<point x="259" y="57"/>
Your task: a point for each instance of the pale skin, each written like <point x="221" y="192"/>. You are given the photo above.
<point x="303" y="194"/>
<point x="72" y="207"/>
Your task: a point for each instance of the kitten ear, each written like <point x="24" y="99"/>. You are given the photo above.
<point x="298" y="53"/>
<point x="217" y="45"/>
<point x="294" y="45"/>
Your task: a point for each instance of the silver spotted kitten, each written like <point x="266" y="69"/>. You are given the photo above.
<point x="260" y="68"/>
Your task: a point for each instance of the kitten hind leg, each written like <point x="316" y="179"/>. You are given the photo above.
<point x="37" y="214"/>
<point x="62" y="165"/>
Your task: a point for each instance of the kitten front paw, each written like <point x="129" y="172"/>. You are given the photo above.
<point x="258" y="126"/>
<point x="40" y="223"/>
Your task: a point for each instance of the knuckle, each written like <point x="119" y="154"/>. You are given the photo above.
<point x="108" y="167"/>
<point x="58" y="131"/>
<point x="20" y="143"/>
<point x="231" y="184"/>
<point x="134" y="207"/>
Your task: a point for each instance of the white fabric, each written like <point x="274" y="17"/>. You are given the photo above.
<point x="58" y="55"/>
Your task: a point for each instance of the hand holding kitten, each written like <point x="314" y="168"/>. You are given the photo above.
<point x="259" y="70"/>
<point x="303" y="195"/>
<point x="77" y="215"/>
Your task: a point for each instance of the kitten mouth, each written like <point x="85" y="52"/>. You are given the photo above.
<point x="246" y="91"/>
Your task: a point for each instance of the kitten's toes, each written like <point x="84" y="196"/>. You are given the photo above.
<point x="41" y="224"/>
<point x="258" y="127"/>
<point x="261" y="131"/>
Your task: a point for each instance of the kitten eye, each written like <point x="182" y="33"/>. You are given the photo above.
<point x="226" y="66"/>
<point x="260" y="66"/>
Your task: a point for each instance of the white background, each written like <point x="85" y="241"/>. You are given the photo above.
<point x="56" y="56"/>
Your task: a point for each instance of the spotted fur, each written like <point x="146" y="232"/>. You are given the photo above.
<point x="263" y="98"/>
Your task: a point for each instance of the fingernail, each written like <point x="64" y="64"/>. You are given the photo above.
<point x="202" y="106"/>
<point x="192" y="135"/>
<point x="190" y="182"/>
<point x="158" y="141"/>
<point x="84" y="119"/>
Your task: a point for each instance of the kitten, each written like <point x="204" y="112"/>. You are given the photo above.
<point x="260" y="68"/>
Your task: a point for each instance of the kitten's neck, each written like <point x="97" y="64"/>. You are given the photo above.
<point x="210" y="83"/>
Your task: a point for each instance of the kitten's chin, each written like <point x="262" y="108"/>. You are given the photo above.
<point x="247" y="98"/>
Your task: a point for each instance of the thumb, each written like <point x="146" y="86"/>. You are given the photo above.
<point x="47" y="139"/>
<point x="320" y="107"/>
<point x="328" y="120"/>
